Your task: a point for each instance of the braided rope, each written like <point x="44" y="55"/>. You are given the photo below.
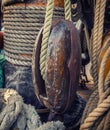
<point x="101" y="73"/>
<point x="21" y="25"/>
<point x="16" y="115"/>
<point x="18" y="62"/>
<point x="46" y="32"/>
<point x="67" y="10"/>
<point x="52" y="126"/>
<point x="104" y="96"/>
<point x="93" y="116"/>
<point x="7" y="118"/>
<point x="97" y="36"/>
<point x="34" y="7"/>
<point x="92" y="103"/>
<point x="17" y="57"/>
<point x="18" y="40"/>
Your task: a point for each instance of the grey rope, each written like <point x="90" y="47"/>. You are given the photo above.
<point x="11" y="110"/>
<point x="15" y="115"/>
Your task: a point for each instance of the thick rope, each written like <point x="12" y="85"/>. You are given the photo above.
<point x="92" y="103"/>
<point x="12" y="109"/>
<point x="52" y="126"/>
<point x="21" y="25"/>
<point x="101" y="73"/>
<point x="67" y="10"/>
<point x="97" y="36"/>
<point x="98" y="112"/>
<point x="104" y="96"/>
<point x="14" y="114"/>
<point x="93" y="116"/>
<point x="46" y="32"/>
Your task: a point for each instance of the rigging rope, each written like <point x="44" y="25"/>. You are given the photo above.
<point x="97" y="117"/>
<point x="101" y="111"/>
<point x="97" y="36"/>
<point x="46" y="32"/>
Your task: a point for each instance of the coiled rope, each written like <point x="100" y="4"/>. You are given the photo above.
<point x="101" y="112"/>
<point x="14" y="114"/>
<point x="97" y="112"/>
<point x="46" y="32"/>
<point x="21" y="25"/>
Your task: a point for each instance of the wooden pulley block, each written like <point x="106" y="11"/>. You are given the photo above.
<point x="1" y="40"/>
<point x="105" y="45"/>
<point x="63" y="63"/>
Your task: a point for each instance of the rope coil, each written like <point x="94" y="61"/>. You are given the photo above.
<point x="21" y="25"/>
<point x="14" y="114"/>
<point x="102" y="106"/>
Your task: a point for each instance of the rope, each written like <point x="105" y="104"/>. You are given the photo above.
<point x="52" y="126"/>
<point x="101" y="73"/>
<point x="21" y="25"/>
<point x="12" y="109"/>
<point x="14" y="114"/>
<point x="99" y="113"/>
<point x="46" y="32"/>
<point x="97" y="36"/>
<point x="67" y="10"/>
<point x="92" y="103"/>
<point x="18" y="62"/>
